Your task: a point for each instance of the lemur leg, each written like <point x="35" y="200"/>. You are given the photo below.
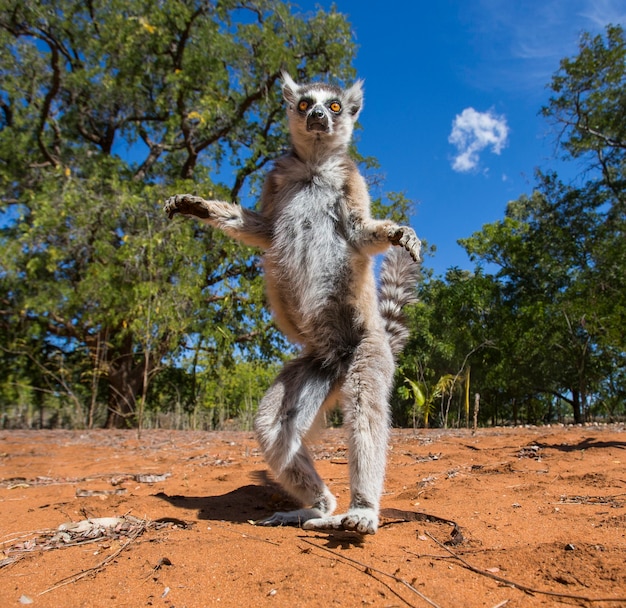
<point x="365" y="396"/>
<point x="237" y="222"/>
<point x="286" y="413"/>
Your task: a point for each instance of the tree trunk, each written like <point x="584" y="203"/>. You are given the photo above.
<point x="125" y="383"/>
<point x="578" y="418"/>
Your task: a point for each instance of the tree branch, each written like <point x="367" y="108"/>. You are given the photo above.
<point x="244" y="106"/>
<point x="252" y="166"/>
<point x="609" y="141"/>
<point x="47" y="104"/>
<point x="155" y="151"/>
<point x="550" y="391"/>
<point x="8" y="113"/>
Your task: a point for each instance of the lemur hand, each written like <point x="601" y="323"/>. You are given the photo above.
<point x="404" y="236"/>
<point x="186" y="204"/>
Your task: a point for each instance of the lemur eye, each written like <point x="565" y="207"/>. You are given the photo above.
<point x="303" y="106"/>
<point x="335" y="106"/>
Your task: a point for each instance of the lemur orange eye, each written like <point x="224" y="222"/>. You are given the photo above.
<point x="335" y="106"/>
<point x="303" y="106"/>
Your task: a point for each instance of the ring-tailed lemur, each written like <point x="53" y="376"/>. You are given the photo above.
<point x="314" y="225"/>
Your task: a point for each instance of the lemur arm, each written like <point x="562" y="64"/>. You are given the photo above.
<point x="370" y="235"/>
<point x="374" y="236"/>
<point x="242" y="224"/>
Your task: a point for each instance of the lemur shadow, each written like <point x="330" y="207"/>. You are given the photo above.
<point x="336" y="539"/>
<point x="586" y="444"/>
<point x="254" y="502"/>
<point x="250" y="502"/>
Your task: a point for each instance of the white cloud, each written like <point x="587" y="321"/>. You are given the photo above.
<point x="474" y="131"/>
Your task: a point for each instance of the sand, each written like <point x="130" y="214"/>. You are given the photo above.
<point x="541" y="515"/>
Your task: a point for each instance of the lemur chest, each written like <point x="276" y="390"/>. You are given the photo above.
<point x="312" y="217"/>
<point x="310" y="267"/>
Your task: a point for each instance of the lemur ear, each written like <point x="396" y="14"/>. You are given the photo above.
<point x="290" y="89"/>
<point x="353" y="98"/>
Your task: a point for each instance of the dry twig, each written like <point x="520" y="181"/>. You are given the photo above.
<point x="79" y="575"/>
<point x="456" y="537"/>
<point x="370" y="569"/>
<point x="520" y="586"/>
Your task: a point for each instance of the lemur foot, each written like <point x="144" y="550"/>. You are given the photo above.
<point x="186" y="204"/>
<point x="363" y="521"/>
<point x="404" y="236"/>
<point x="291" y="518"/>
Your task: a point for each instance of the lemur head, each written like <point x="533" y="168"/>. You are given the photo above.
<point x="321" y="113"/>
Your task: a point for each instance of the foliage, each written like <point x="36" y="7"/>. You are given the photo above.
<point x="450" y="330"/>
<point x="547" y="326"/>
<point x="588" y="106"/>
<point x="106" y="107"/>
<point x="196" y="399"/>
<point x="111" y="315"/>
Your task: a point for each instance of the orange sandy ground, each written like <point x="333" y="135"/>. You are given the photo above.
<point x="541" y="507"/>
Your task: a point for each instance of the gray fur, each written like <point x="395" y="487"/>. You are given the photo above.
<point x="398" y="277"/>
<point x="317" y="235"/>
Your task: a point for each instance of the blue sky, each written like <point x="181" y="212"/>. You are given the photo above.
<point x="453" y="92"/>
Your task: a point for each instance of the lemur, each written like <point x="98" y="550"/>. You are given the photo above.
<point x="314" y="226"/>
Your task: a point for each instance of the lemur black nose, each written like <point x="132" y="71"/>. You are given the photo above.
<point x="317" y="120"/>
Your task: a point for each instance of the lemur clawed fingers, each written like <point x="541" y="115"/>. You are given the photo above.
<point x="170" y="207"/>
<point x="186" y="204"/>
<point x="404" y="236"/>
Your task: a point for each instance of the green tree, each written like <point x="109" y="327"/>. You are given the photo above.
<point x="106" y="107"/>
<point x="450" y="330"/>
<point x="588" y="105"/>
<point x="561" y="252"/>
<point x="546" y="327"/>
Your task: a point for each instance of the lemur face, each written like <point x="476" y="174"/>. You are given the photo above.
<point x="320" y="110"/>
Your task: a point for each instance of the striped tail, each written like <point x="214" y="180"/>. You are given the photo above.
<point x="398" y="281"/>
